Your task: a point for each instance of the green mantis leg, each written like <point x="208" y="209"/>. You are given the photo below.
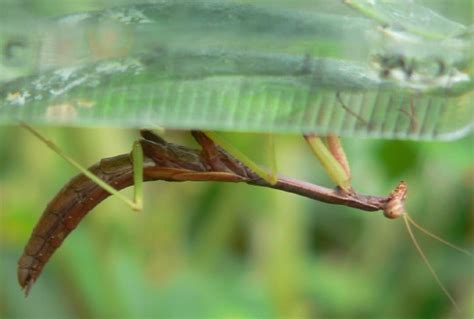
<point x="270" y="150"/>
<point x="333" y="159"/>
<point x="137" y="157"/>
<point x="269" y="177"/>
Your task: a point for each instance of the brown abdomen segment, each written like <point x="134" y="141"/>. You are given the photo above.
<point x="65" y="212"/>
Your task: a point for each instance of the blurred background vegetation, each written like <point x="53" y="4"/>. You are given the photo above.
<point x="211" y="250"/>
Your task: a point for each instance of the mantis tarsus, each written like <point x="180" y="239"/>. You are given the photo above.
<point x="313" y="94"/>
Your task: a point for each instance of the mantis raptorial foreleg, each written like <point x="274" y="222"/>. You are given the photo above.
<point x="270" y="177"/>
<point x="271" y="153"/>
<point x="137" y="157"/>
<point x="333" y="159"/>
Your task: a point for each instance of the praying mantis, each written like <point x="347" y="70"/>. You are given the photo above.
<point x="404" y="93"/>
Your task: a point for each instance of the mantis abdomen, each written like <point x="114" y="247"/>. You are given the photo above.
<point x="65" y="212"/>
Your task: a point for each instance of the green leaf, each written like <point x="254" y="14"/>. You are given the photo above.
<point x="409" y="15"/>
<point x="229" y="91"/>
<point x="86" y="37"/>
<point x="214" y="65"/>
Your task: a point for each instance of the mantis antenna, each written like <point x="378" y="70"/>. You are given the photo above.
<point x="394" y="209"/>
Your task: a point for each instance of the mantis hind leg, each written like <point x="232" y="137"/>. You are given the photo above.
<point x="137" y="158"/>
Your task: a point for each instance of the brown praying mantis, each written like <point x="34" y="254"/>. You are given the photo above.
<point x="152" y="158"/>
<point x="402" y="90"/>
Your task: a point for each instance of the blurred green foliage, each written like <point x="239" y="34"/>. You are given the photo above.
<point x="211" y="250"/>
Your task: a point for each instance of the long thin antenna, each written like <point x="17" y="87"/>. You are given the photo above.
<point x="406" y="219"/>
<point x="428" y="233"/>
